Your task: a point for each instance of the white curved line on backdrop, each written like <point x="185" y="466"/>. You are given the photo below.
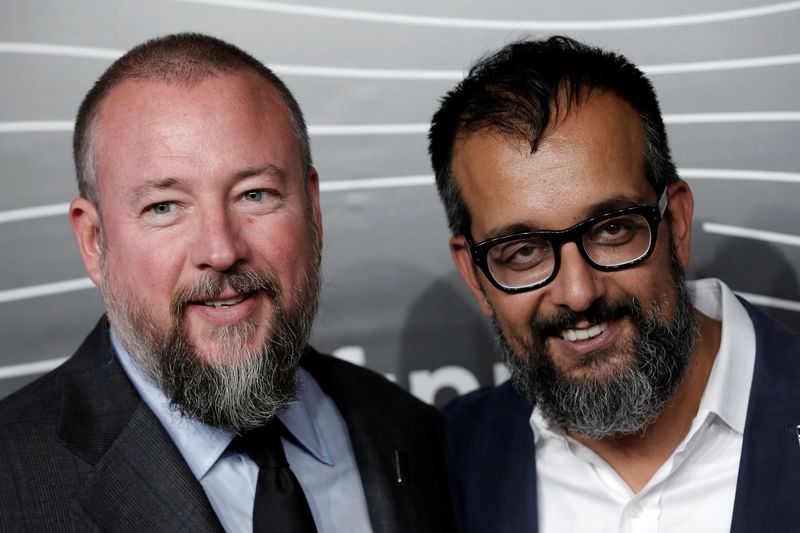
<point x="28" y="369"/>
<point x="769" y="301"/>
<point x="367" y="73"/>
<point x="45" y="289"/>
<point x="733" y="174"/>
<point x="23" y="126"/>
<point x="749" y="233"/>
<point x="283" y="70"/>
<point x="376" y="183"/>
<point x="322" y="130"/>
<point x="400" y="74"/>
<point x="59" y="50"/>
<point x="27" y="213"/>
<point x="717" y="118"/>
<point x="500" y="24"/>
<point x="367" y="129"/>
<point x="325" y="130"/>
<point x="722" y="64"/>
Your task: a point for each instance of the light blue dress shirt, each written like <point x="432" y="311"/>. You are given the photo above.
<point x="319" y="453"/>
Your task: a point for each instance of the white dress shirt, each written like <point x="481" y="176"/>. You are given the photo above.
<point x="694" y="489"/>
<point x="320" y="454"/>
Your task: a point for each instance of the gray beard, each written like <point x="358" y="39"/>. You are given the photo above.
<point x="239" y="394"/>
<point x="626" y="402"/>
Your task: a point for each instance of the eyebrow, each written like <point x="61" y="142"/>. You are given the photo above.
<point x="593" y="210"/>
<point x="151" y="186"/>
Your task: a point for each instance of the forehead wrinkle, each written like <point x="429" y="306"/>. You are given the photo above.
<point x="153" y="185"/>
<point x="259" y="170"/>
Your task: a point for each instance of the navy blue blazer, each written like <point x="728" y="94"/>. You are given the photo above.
<point x="492" y="468"/>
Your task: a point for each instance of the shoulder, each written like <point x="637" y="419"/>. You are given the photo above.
<point x="767" y="327"/>
<point x="31" y="450"/>
<point x="42" y="399"/>
<point x="474" y="411"/>
<point x="479" y="424"/>
<point x="488" y="447"/>
<point x="36" y="403"/>
<point x="484" y="420"/>
<point x="777" y="348"/>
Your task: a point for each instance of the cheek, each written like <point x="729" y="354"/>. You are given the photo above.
<point x="285" y="248"/>
<point x="146" y="271"/>
<point x="515" y="313"/>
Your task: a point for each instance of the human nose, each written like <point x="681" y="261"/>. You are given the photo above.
<point x="217" y="245"/>
<point x="576" y="285"/>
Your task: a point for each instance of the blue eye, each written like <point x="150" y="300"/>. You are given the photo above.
<point x="162" y="208"/>
<point x="255" y="196"/>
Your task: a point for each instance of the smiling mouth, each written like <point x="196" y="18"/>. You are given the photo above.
<point x="574" y="335"/>
<point x="228" y="302"/>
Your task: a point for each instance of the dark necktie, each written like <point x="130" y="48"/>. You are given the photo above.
<point x="280" y="504"/>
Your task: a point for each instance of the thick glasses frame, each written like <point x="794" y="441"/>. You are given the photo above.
<point x="653" y="213"/>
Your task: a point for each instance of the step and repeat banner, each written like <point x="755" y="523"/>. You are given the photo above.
<point x="368" y="75"/>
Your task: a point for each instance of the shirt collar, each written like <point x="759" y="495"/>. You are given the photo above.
<point x="732" y="371"/>
<point x="726" y="394"/>
<point x="202" y="445"/>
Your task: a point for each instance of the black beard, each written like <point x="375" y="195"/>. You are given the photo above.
<point x="627" y="401"/>
<point x="236" y="395"/>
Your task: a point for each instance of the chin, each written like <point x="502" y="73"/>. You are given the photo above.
<point x="235" y="344"/>
<point x="599" y="368"/>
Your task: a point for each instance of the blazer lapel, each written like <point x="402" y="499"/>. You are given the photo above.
<point x="507" y="481"/>
<point x="376" y="445"/>
<point x="143" y="484"/>
<point x="137" y="480"/>
<point x="769" y="469"/>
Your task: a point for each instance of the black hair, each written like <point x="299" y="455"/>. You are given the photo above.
<point x="515" y="90"/>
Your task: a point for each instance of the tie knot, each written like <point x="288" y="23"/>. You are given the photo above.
<point x="263" y="445"/>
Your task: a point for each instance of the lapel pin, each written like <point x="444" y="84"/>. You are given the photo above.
<point x="401" y="465"/>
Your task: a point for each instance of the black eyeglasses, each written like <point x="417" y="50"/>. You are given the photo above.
<point x="612" y="241"/>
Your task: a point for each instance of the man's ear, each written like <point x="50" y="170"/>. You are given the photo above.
<point x="679" y="217"/>
<point x="312" y="189"/>
<point x="469" y="272"/>
<point x="86" y="226"/>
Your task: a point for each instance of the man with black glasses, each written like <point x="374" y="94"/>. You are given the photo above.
<point x="638" y="401"/>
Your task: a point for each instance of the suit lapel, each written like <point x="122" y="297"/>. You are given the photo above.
<point x="375" y="443"/>
<point x="137" y="479"/>
<point x="508" y="466"/>
<point x="143" y="484"/>
<point x="769" y="470"/>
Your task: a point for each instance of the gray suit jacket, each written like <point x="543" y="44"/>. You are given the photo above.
<point x="80" y="451"/>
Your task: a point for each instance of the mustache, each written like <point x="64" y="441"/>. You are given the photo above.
<point x="600" y="311"/>
<point x="211" y="285"/>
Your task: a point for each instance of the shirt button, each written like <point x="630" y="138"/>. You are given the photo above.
<point x="635" y="510"/>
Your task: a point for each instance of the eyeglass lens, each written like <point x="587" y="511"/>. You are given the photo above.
<point x="608" y="243"/>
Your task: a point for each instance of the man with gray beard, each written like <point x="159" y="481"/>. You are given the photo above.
<point x="198" y="405"/>
<point x="638" y="401"/>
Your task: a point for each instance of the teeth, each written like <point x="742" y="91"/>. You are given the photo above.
<point x="224" y="303"/>
<point x="573" y="335"/>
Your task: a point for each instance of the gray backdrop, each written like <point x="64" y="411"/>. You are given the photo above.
<point x="368" y="75"/>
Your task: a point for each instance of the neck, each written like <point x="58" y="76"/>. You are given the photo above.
<point x="636" y="458"/>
